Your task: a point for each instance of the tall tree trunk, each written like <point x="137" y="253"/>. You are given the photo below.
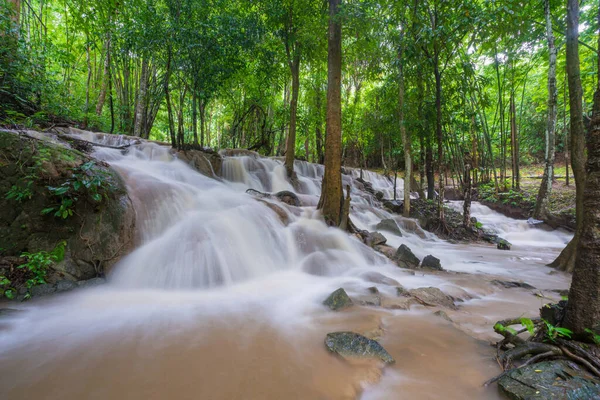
<point x="290" y="151"/>
<point x="331" y="201"/>
<point x="318" y="131"/>
<point x="103" y="90"/>
<point x="541" y="205"/>
<point x="468" y="162"/>
<point x="195" y="117"/>
<point x="405" y="137"/>
<point x="429" y="169"/>
<point x="140" y="106"/>
<point x="583" y="308"/>
<point x="566" y="259"/>
<point x="440" y="138"/>
<point x="168" y="100"/>
<point x="514" y="138"/>
<point x="88" y="63"/>
<point x="202" y="119"/>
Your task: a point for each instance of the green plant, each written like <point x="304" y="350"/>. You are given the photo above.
<point x="20" y="192"/>
<point x="38" y="263"/>
<point x="83" y="180"/>
<point x="6" y="290"/>
<point x="594" y="336"/>
<point x="553" y="332"/>
<point x="23" y="189"/>
<point x="478" y="225"/>
<point x="529" y="325"/>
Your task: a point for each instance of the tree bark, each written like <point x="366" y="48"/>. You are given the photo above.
<point x="541" y="205"/>
<point x="290" y="148"/>
<point x="566" y="259"/>
<point x="429" y="170"/>
<point x="404" y="136"/>
<point x="440" y="138"/>
<point x="318" y="131"/>
<point x="168" y="100"/>
<point x="514" y="138"/>
<point x="331" y="201"/>
<point x="140" y="106"/>
<point x="467" y="190"/>
<point x="104" y="89"/>
<point x="583" y="308"/>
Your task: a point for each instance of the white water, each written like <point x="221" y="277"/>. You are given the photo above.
<point x="216" y="266"/>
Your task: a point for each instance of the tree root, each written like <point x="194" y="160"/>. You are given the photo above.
<point x="537" y="350"/>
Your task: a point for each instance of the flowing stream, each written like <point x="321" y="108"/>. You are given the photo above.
<point x="221" y="300"/>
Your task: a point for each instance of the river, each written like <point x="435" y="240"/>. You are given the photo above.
<point x="221" y="300"/>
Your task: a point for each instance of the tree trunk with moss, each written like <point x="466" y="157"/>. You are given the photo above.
<point x="566" y="259"/>
<point x="583" y="308"/>
<point x="331" y="201"/>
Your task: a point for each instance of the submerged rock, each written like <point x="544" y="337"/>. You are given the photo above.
<point x="560" y="380"/>
<point x="443" y="315"/>
<point x="503" y="245"/>
<point x="288" y="198"/>
<point x="389" y="225"/>
<point x="432" y="262"/>
<point x="512" y="284"/>
<point x="406" y="258"/>
<point x="432" y="296"/>
<point x="352" y="345"/>
<point x="379" y="196"/>
<point x="338" y="300"/>
<point x="395" y="206"/>
<point x="376" y="277"/>
<point x="373" y="298"/>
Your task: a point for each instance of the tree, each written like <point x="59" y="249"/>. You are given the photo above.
<point x="566" y="259"/>
<point x="331" y="201"/>
<point x="583" y="307"/>
<point x="546" y="185"/>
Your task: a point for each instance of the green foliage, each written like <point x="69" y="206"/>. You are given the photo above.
<point x="85" y="179"/>
<point x="38" y="263"/>
<point x="23" y="190"/>
<point x="6" y="290"/>
<point x="552" y="332"/>
<point x="595" y="337"/>
<point x="528" y="323"/>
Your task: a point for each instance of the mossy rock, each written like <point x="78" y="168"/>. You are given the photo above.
<point x="99" y="231"/>
<point x="352" y="345"/>
<point x="338" y="300"/>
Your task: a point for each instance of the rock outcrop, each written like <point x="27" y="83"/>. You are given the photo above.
<point x="52" y="193"/>
<point x="338" y="300"/>
<point x="405" y="258"/>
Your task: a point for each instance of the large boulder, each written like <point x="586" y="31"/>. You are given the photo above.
<point x="205" y="161"/>
<point x="405" y="258"/>
<point x="338" y="300"/>
<point x="431" y="262"/>
<point x="395" y="206"/>
<point x="432" y="296"/>
<point x="51" y="193"/>
<point x="352" y="345"/>
<point x="389" y="225"/>
<point x="289" y="198"/>
<point x="375" y="239"/>
<point x="557" y="380"/>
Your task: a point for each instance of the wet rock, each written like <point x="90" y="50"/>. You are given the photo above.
<point x="352" y="345"/>
<point x="376" y="277"/>
<point x="281" y="213"/>
<point x="389" y="225"/>
<point x="379" y="196"/>
<point x="442" y="314"/>
<point x="398" y="303"/>
<point x="371" y="299"/>
<point x="432" y="296"/>
<point x="91" y="283"/>
<point x="561" y="292"/>
<point x="338" y="300"/>
<point x="395" y="206"/>
<point x="375" y="239"/>
<point x="503" y="245"/>
<point x="205" y="161"/>
<point x="401" y="291"/>
<point x="386" y="250"/>
<point x="406" y="258"/>
<point x="432" y="262"/>
<point x="288" y="198"/>
<point x="512" y="284"/>
<point x="560" y="380"/>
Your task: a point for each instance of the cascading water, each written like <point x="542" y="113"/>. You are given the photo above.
<point x="222" y="300"/>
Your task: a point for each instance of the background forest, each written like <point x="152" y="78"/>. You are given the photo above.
<point x="249" y="73"/>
